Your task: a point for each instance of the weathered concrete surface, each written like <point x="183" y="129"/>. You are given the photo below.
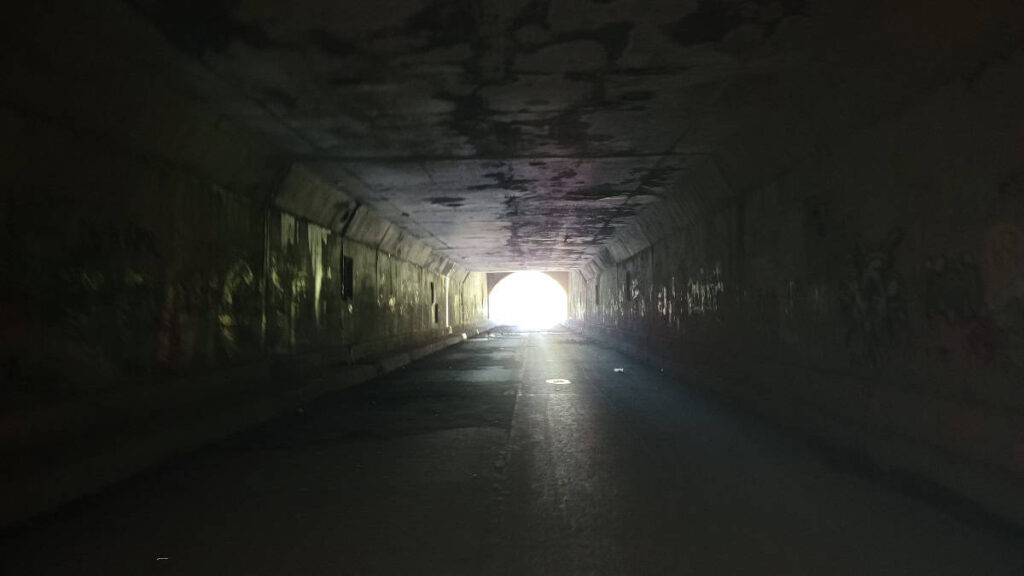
<point x="515" y="134"/>
<point x="470" y="463"/>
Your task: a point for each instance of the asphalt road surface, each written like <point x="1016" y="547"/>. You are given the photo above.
<point x="510" y="454"/>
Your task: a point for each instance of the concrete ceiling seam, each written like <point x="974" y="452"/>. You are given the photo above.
<point x="307" y="195"/>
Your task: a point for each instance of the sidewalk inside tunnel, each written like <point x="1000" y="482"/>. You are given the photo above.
<point x="516" y="452"/>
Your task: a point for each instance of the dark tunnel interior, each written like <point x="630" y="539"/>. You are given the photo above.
<point x="250" y="248"/>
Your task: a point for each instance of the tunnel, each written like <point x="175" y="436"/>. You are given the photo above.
<point x="256" y="259"/>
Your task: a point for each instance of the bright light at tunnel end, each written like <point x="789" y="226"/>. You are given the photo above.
<point x="530" y="300"/>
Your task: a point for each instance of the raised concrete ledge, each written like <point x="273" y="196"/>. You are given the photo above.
<point x="966" y="488"/>
<point x="436" y="346"/>
<point x="402" y="359"/>
<point x="394" y="362"/>
<point x="80" y="449"/>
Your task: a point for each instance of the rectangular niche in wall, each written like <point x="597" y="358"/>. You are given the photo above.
<point x="433" y="304"/>
<point x="346" y="278"/>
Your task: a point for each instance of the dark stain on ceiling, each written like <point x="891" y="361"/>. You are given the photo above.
<point x="525" y="133"/>
<point x="449" y="201"/>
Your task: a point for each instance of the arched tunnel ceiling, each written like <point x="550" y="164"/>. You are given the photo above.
<point x="514" y="134"/>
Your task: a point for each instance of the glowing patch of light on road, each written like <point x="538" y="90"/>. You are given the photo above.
<point x="531" y="300"/>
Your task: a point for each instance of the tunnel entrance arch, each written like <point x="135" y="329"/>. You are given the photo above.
<point x="534" y="300"/>
<point x="557" y="275"/>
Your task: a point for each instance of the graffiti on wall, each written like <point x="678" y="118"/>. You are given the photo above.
<point x="704" y="290"/>
<point x="872" y="299"/>
<point x="665" y="302"/>
<point x="975" y="305"/>
<point x="107" y="290"/>
<point x="952" y="289"/>
<point x="317" y="240"/>
<point x="287" y="281"/>
<point x="954" y="306"/>
<point x="239" y="314"/>
<point x="1002" y="268"/>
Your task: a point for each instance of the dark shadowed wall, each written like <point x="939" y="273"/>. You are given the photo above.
<point x="148" y="235"/>
<point x="874" y="294"/>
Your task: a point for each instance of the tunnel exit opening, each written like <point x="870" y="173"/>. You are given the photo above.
<point x="532" y="300"/>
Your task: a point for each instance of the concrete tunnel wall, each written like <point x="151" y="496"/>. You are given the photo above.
<point x="873" y="295"/>
<point x="148" y="234"/>
<point x="164" y="267"/>
<point x="125" y="268"/>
